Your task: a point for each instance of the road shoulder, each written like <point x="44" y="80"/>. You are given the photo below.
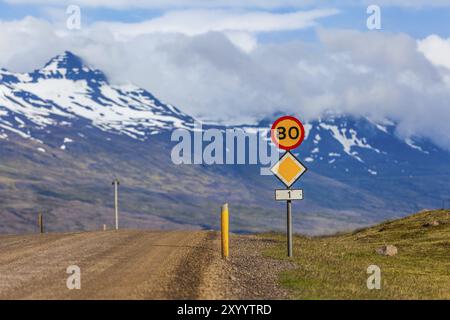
<point x="247" y="274"/>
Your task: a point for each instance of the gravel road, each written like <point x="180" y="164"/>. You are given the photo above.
<point x="131" y="264"/>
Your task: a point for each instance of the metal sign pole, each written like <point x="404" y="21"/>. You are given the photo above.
<point x="289" y="227"/>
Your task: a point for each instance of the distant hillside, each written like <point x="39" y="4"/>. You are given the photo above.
<point x="335" y="267"/>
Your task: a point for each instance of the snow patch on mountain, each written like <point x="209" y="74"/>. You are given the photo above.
<point x="308" y="128"/>
<point x="348" y="139"/>
<point x="412" y="144"/>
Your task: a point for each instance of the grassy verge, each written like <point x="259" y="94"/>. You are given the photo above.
<point x="335" y="267"/>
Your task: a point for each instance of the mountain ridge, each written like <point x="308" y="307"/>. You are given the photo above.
<point x="58" y="122"/>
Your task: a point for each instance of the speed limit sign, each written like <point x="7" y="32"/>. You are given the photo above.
<point x="287" y="133"/>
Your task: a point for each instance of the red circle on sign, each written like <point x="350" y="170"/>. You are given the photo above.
<point x="276" y="141"/>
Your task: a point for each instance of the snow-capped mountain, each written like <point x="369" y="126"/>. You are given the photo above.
<point x="65" y="132"/>
<point x="343" y="144"/>
<point x="366" y="146"/>
<point x="65" y="89"/>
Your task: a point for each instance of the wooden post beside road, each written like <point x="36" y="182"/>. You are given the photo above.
<point x="225" y="230"/>
<point x="41" y="223"/>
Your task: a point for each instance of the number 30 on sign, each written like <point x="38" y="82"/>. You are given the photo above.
<point x="287" y="133"/>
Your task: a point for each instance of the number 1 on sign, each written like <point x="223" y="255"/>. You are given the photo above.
<point x="286" y="195"/>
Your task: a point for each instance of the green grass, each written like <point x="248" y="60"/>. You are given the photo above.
<point x="335" y="267"/>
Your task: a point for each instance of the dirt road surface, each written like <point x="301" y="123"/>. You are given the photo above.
<point x="130" y="264"/>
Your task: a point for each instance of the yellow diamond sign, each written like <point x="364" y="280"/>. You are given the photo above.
<point x="288" y="169"/>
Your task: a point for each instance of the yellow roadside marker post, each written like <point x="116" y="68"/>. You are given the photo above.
<point x="225" y="230"/>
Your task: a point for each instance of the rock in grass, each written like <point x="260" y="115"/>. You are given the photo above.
<point x="431" y="224"/>
<point x="387" y="250"/>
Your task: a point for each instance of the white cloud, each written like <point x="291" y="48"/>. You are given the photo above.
<point x="363" y="73"/>
<point x="238" y="26"/>
<point x="244" y="40"/>
<point x="194" y="22"/>
<point x="436" y="49"/>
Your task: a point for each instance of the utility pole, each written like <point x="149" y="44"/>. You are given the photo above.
<point x="116" y="184"/>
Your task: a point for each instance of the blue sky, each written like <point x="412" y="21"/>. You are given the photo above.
<point x="416" y="21"/>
